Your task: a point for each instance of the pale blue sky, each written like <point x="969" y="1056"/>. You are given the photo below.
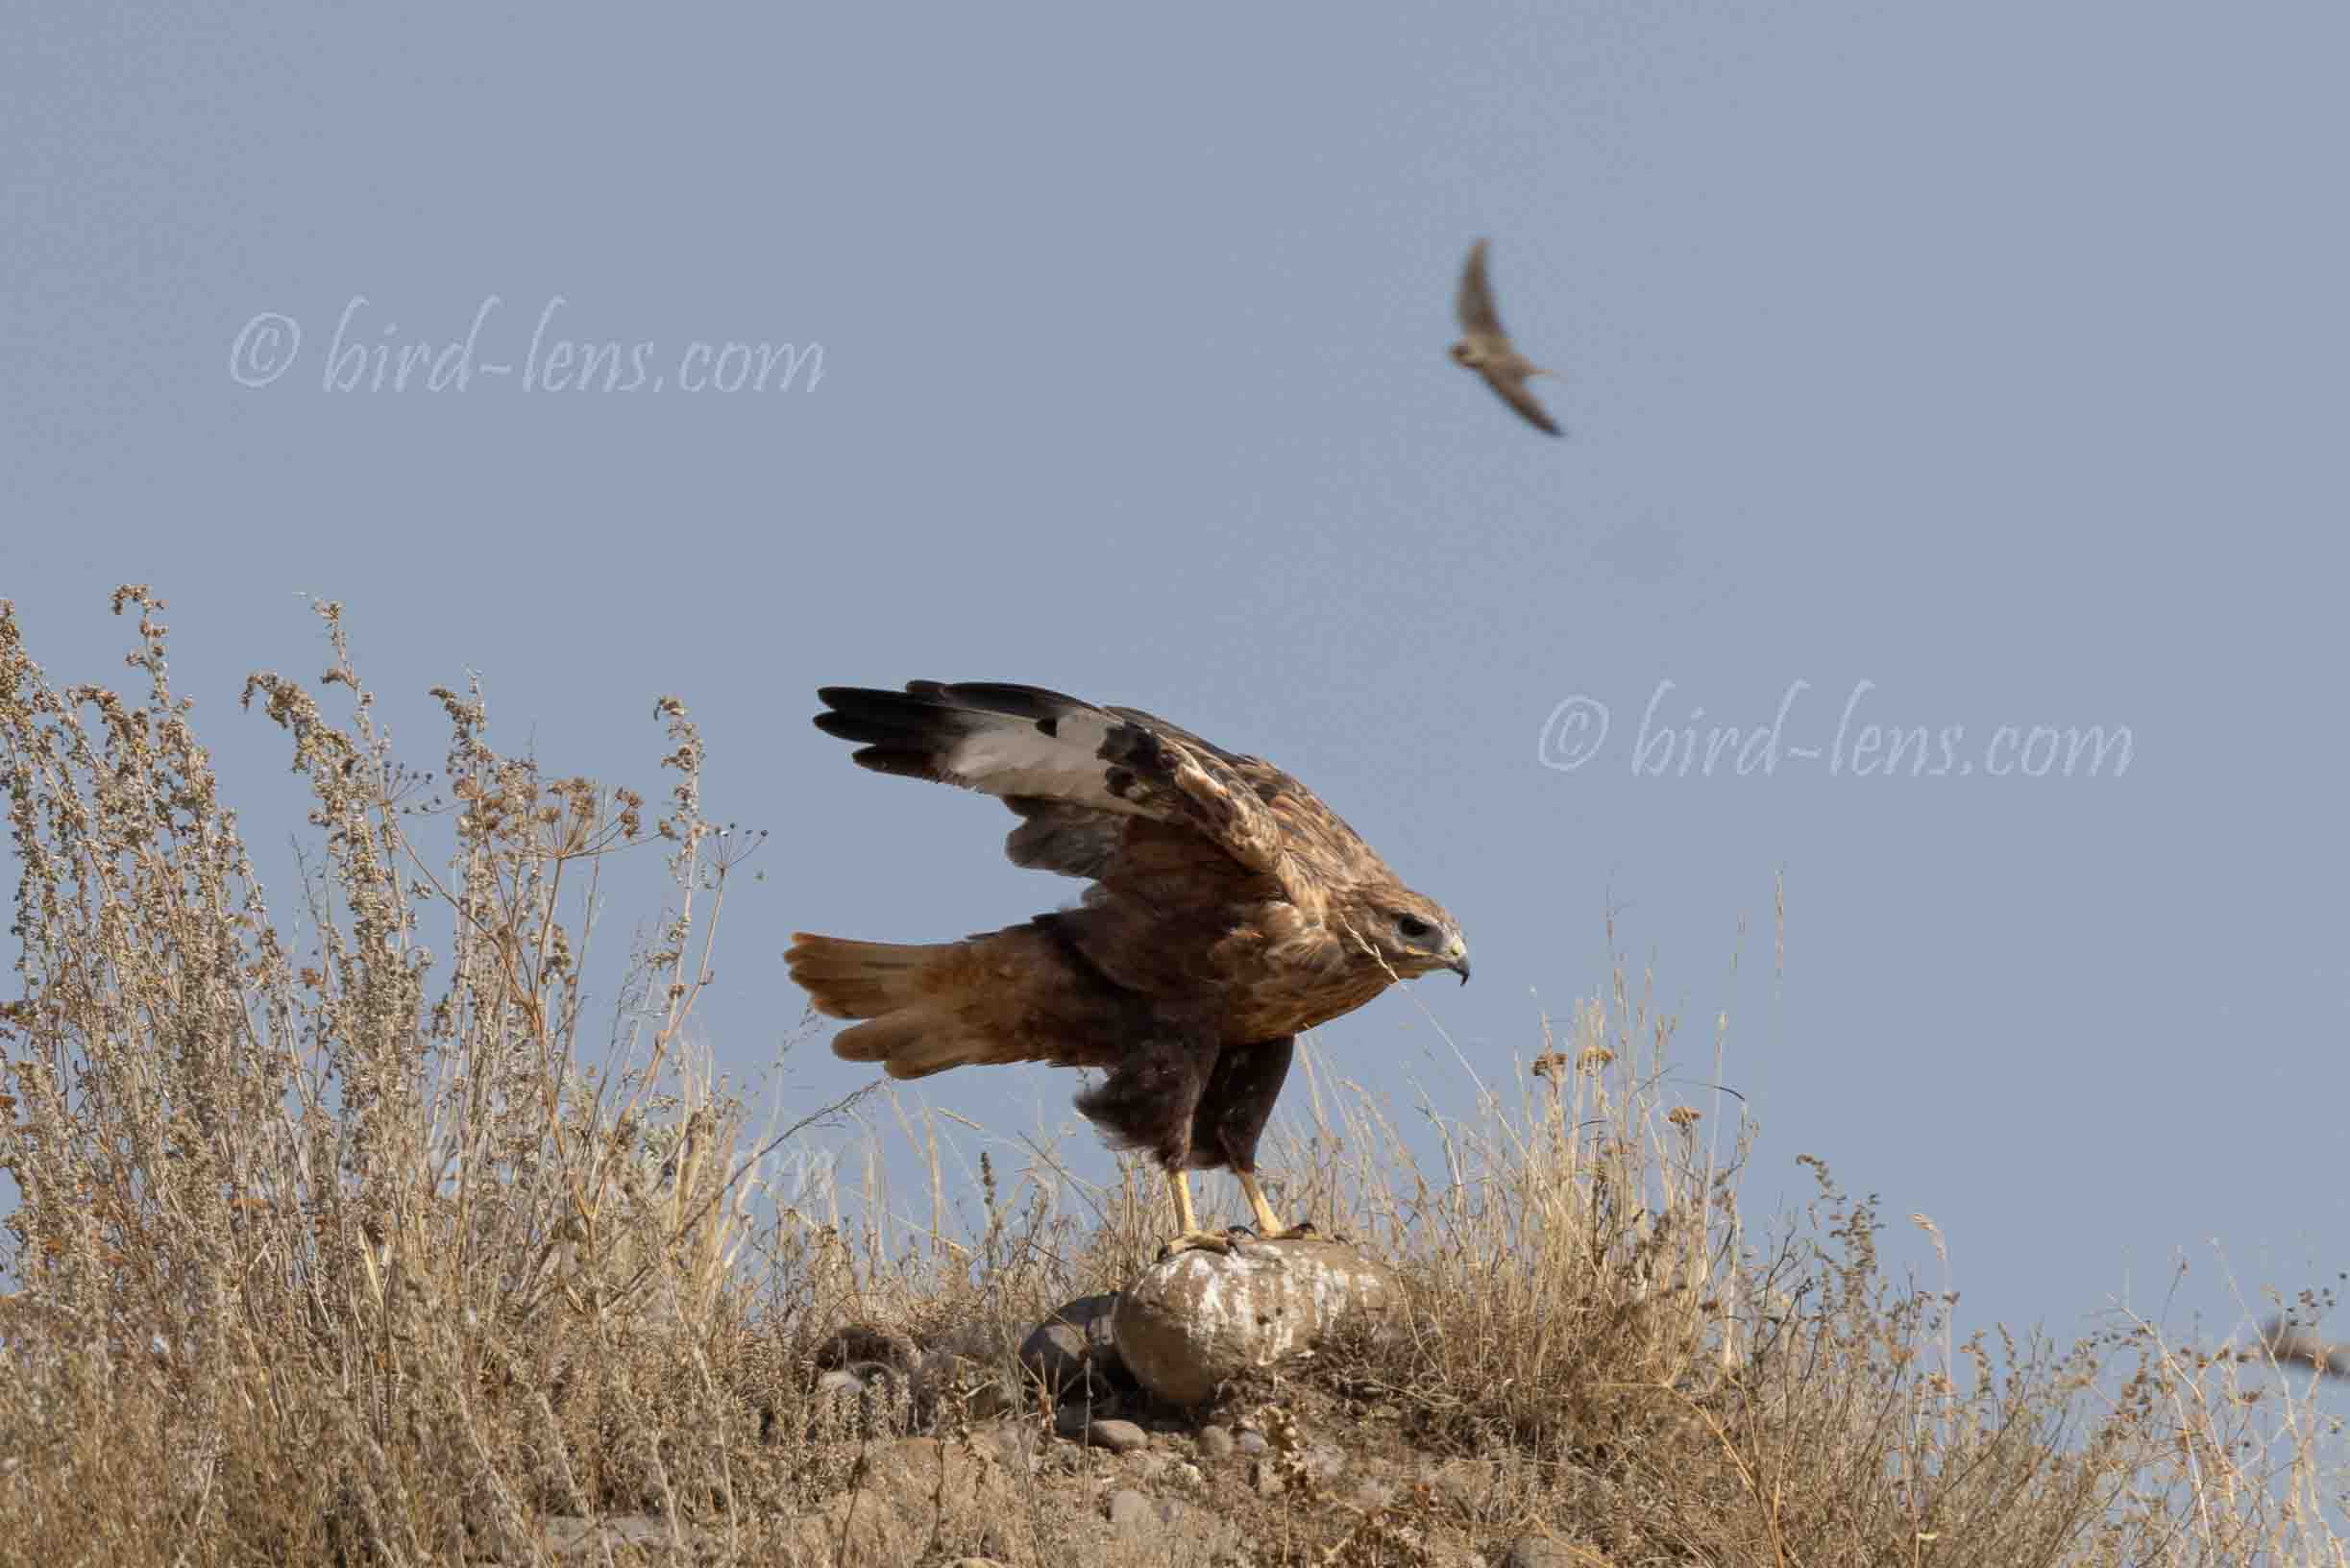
<point x="1989" y="353"/>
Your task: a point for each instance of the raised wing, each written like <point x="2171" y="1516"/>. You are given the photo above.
<point x="1072" y="770"/>
<point x="1472" y="302"/>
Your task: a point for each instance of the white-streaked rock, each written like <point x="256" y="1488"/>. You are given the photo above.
<point x="1191" y="1321"/>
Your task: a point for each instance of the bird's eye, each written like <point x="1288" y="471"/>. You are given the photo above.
<point x="1413" y="926"/>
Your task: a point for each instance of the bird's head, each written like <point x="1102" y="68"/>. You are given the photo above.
<point x="1414" y="935"/>
<point x="1463" y="353"/>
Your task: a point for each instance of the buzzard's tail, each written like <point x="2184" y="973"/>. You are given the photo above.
<point x="905" y="993"/>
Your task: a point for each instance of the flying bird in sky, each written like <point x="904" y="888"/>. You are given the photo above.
<point x="1230" y="909"/>
<point x="1487" y="350"/>
<point x="2290" y="1342"/>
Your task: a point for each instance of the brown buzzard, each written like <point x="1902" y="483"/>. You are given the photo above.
<point x="1486" y="348"/>
<point x="1230" y="909"/>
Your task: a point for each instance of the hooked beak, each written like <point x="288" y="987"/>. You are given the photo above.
<point x="1457" y="955"/>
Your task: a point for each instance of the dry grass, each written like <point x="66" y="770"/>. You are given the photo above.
<point x="369" y="1246"/>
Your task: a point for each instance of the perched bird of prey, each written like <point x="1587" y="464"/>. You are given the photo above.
<point x="2289" y="1342"/>
<point x="1487" y="350"/>
<point x="1229" y="910"/>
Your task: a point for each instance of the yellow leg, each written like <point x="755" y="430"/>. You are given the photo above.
<point x="1268" y="1224"/>
<point x="1188" y="1234"/>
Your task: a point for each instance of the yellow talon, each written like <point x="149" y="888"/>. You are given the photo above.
<point x="1188" y="1234"/>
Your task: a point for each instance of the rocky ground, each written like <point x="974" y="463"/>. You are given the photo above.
<point x="1177" y="1422"/>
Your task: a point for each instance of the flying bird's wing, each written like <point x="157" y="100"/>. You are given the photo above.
<point x="2288" y="1342"/>
<point x="1472" y="304"/>
<point x="1487" y="348"/>
<point x="1512" y="391"/>
<point x="1079" y="774"/>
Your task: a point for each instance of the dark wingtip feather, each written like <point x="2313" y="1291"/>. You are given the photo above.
<point x="1010" y="699"/>
<point x="863" y="725"/>
<point x="907" y="733"/>
<point x="911" y="732"/>
<point x="860" y="713"/>
<point x="933" y="708"/>
<point x="835" y="722"/>
<point x="854" y="696"/>
<point x="887" y="759"/>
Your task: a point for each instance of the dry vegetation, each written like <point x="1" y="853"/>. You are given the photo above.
<point x="392" y="1240"/>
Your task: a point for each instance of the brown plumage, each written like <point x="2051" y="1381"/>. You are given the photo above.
<point x="1486" y="348"/>
<point x="2290" y="1342"/>
<point x="1230" y="909"/>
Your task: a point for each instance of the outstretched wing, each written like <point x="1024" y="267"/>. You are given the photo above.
<point x="2289" y="1342"/>
<point x="1512" y="391"/>
<point x="1472" y="304"/>
<point x="1321" y="846"/>
<point x="1080" y="774"/>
